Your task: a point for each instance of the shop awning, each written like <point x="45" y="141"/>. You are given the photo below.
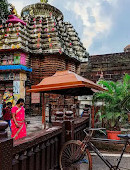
<point x="66" y="83"/>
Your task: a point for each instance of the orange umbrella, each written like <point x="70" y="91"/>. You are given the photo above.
<point x="67" y="83"/>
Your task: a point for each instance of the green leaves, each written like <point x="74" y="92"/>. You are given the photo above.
<point x="117" y="93"/>
<point x="4" y="11"/>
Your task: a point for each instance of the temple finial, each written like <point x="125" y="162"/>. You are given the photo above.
<point x="44" y="1"/>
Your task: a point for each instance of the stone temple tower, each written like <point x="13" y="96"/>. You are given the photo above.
<point x="51" y="40"/>
<point x="35" y="46"/>
<point x="52" y="43"/>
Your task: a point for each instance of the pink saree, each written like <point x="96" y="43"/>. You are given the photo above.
<point x="20" y="132"/>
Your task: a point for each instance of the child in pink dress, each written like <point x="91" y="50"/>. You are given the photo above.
<point x="18" y="126"/>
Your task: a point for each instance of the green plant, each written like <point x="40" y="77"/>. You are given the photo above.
<point x="126" y="103"/>
<point x="4" y="11"/>
<point x="112" y="112"/>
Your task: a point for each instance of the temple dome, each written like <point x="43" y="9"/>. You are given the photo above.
<point x="41" y="9"/>
<point x="127" y="48"/>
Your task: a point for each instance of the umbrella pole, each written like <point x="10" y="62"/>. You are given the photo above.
<point x="92" y="115"/>
<point x="43" y="111"/>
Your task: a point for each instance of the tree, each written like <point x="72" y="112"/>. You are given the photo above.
<point x="4" y="11"/>
<point x="115" y="100"/>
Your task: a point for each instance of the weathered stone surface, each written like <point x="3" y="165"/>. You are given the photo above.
<point x="113" y="66"/>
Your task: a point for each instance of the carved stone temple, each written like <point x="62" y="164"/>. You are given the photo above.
<point x="36" y="46"/>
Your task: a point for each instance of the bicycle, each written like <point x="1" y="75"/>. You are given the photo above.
<point x="75" y="154"/>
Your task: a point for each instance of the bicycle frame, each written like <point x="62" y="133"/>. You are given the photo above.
<point x="91" y="146"/>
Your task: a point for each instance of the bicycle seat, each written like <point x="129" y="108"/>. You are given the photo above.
<point x="124" y="136"/>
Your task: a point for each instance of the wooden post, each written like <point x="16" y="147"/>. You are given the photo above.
<point x="43" y="111"/>
<point x="92" y="115"/>
<point x="49" y="113"/>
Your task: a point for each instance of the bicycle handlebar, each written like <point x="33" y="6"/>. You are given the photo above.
<point x="91" y="131"/>
<point x="95" y="129"/>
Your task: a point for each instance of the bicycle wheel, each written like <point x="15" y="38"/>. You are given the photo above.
<point x="73" y="157"/>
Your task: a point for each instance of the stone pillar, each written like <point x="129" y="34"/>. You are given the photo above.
<point x="23" y="78"/>
<point x="6" y="148"/>
<point x="68" y="115"/>
<point x="19" y="87"/>
<point x="92" y="116"/>
<point x="59" y="121"/>
<point x="3" y="132"/>
<point x="43" y="112"/>
<point x="86" y="112"/>
<point x="69" y="125"/>
<point x="59" y="116"/>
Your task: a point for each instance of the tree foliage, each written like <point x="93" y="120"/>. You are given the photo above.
<point x="116" y="100"/>
<point x="4" y="11"/>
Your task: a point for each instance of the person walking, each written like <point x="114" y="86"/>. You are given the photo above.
<point x="7" y="113"/>
<point x="18" y="125"/>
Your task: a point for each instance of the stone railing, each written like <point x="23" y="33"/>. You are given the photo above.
<point x="79" y="125"/>
<point x="73" y="126"/>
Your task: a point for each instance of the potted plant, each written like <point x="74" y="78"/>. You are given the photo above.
<point x="111" y="112"/>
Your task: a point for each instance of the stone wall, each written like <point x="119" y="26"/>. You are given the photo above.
<point x="44" y="66"/>
<point x="110" y="66"/>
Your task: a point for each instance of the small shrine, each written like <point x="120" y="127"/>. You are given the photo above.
<point x="14" y="61"/>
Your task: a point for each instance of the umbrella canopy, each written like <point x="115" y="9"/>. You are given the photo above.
<point x="66" y="83"/>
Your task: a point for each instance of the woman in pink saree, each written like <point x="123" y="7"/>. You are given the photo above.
<point x="18" y="126"/>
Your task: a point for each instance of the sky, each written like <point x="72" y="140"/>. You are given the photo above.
<point x="102" y="25"/>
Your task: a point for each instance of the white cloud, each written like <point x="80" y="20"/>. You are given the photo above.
<point x="18" y="5"/>
<point x="112" y="2"/>
<point x="91" y="9"/>
<point x="50" y="1"/>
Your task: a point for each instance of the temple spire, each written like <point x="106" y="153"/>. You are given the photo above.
<point x="44" y="1"/>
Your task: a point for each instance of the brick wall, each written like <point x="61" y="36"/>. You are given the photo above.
<point x="44" y="66"/>
<point x="113" y="66"/>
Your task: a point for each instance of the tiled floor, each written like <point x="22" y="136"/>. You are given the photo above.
<point x="35" y="124"/>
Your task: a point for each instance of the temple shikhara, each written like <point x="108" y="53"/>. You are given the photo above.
<point x="38" y="43"/>
<point x="33" y="46"/>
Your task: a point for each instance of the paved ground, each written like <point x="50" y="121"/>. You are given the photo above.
<point x="98" y="164"/>
<point x="36" y="125"/>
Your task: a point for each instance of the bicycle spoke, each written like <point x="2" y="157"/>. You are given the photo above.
<point x="73" y="158"/>
<point x="66" y="154"/>
<point x="67" y="151"/>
